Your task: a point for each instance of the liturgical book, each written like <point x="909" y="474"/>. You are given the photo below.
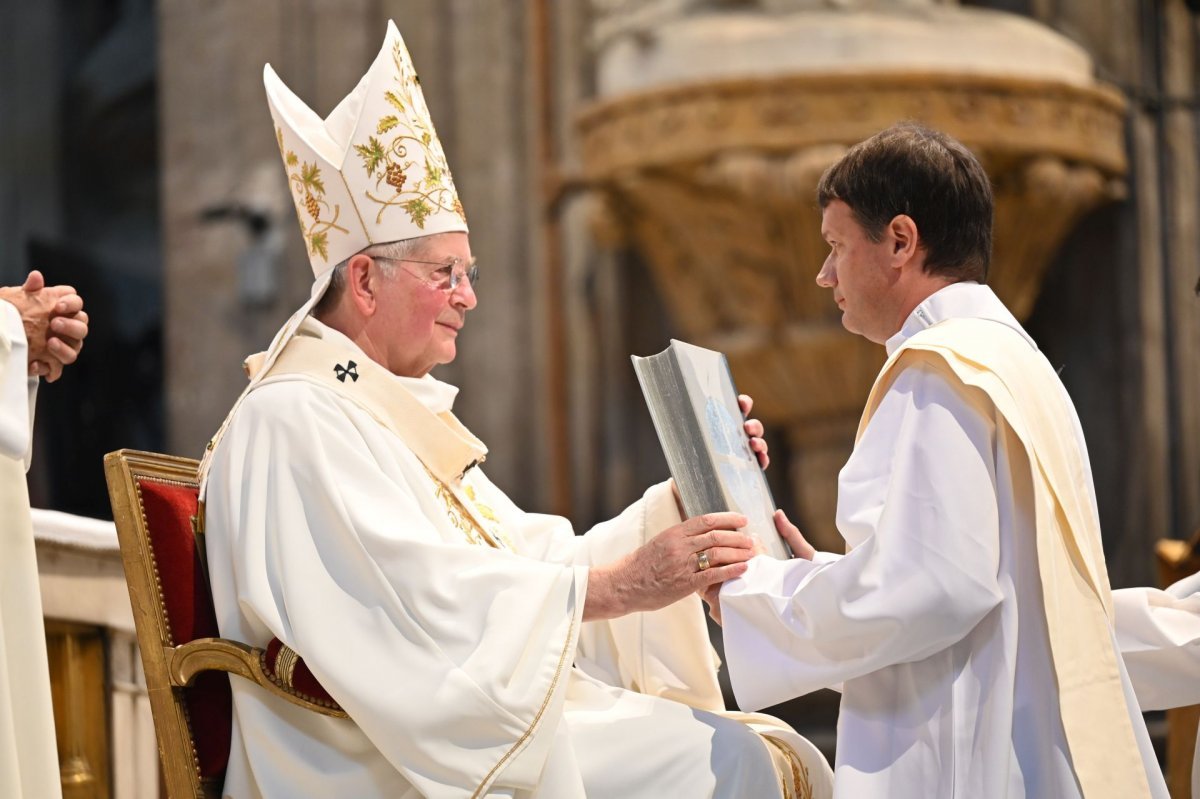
<point x="693" y="403"/>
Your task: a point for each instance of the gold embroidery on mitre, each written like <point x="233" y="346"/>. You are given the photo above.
<point x="308" y="190"/>
<point x="405" y="156"/>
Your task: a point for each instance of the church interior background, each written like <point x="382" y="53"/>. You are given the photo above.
<point x="632" y="170"/>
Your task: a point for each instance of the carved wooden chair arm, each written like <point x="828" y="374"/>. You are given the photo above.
<point x="252" y="663"/>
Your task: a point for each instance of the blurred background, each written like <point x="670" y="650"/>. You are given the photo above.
<point x="632" y="171"/>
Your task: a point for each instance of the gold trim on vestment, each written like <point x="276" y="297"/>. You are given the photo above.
<point x="788" y="764"/>
<point x="460" y="517"/>
<point x="562" y="660"/>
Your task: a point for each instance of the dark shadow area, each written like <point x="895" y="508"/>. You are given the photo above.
<point x="108" y="246"/>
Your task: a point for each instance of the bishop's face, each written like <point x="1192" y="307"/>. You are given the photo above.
<point x="860" y="273"/>
<point x="421" y="321"/>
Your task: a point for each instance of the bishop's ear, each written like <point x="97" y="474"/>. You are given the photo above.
<point x="362" y="280"/>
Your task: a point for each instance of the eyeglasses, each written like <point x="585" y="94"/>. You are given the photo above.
<point x="447" y="278"/>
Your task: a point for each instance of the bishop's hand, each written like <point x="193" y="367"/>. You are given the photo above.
<point x="687" y="557"/>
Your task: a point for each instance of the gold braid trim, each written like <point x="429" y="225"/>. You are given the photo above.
<point x="788" y="763"/>
<point x="285" y="664"/>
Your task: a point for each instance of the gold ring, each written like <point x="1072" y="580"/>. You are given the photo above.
<point x="702" y="561"/>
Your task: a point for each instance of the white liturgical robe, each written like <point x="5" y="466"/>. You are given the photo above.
<point x="1159" y="635"/>
<point x="465" y="667"/>
<point x="28" y="755"/>
<point x="933" y="624"/>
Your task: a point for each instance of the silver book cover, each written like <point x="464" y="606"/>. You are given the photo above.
<point x="693" y="402"/>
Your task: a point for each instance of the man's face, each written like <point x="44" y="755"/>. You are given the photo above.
<point x="860" y="273"/>
<point x="420" y="322"/>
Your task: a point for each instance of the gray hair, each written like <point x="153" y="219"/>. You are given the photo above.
<point x="398" y="250"/>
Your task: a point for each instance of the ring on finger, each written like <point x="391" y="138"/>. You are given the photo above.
<point x="702" y="561"/>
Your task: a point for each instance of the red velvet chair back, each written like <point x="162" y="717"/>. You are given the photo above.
<point x="154" y="500"/>
<point x="169" y="508"/>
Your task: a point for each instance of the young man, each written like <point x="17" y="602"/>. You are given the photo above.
<point x="970" y="622"/>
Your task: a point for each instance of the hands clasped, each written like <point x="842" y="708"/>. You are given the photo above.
<point x="669" y="566"/>
<point x="55" y="324"/>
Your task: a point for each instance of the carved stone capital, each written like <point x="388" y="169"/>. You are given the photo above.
<point x="716" y="185"/>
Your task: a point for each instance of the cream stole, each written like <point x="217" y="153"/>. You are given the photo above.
<point x="993" y="358"/>
<point x="446" y="448"/>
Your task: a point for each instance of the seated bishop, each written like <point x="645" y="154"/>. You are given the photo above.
<point x="478" y="650"/>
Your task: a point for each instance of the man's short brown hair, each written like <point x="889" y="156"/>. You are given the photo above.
<point x="931" y="177"/>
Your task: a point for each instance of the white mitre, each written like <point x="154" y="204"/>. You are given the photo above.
<point x="371" y="172"/>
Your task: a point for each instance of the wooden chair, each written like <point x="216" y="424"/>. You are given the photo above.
<point x="154" y="502"/>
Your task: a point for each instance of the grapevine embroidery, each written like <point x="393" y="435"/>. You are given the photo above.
<point x="309" y="188"/>
<point x="489" y="515"/>
<point x="386" y="155"/>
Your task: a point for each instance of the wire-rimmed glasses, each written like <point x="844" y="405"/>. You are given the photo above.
<point x="447" y="278"/>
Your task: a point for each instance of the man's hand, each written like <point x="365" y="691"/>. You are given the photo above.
<point x="754" y="429"/>
<point x="668" y="567"/>
<point x="712" y="598"/>
<point x="55" y="324"/>
<point x="790" y="533"/>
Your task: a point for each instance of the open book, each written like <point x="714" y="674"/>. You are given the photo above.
<point x="693" y="403"/>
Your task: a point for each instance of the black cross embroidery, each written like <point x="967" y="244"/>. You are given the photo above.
<point x="349" y="369"/>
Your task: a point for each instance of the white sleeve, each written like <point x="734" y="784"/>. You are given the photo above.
<point x="1159" y="638"/>
<point x="16" y="389"/>
<point x="663" y="653"/>
<point x="919" y="494"/>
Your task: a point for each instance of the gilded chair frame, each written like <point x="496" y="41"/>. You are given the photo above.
<point x="169" y="667"/>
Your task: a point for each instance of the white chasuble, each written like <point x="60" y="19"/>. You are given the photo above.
<point x="28" y="755"/>
<point x="944" y="622"/>
<point x="347" y="515"/>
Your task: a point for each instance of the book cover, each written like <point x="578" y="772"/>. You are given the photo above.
<point x="693" y="402"/>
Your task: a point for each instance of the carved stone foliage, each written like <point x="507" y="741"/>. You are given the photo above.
<point x="715" y="184"/>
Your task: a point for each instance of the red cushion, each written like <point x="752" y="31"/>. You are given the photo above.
<point x="187" y="598"/>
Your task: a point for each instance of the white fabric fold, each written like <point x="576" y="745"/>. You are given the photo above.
<point x="28" y="753"/>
